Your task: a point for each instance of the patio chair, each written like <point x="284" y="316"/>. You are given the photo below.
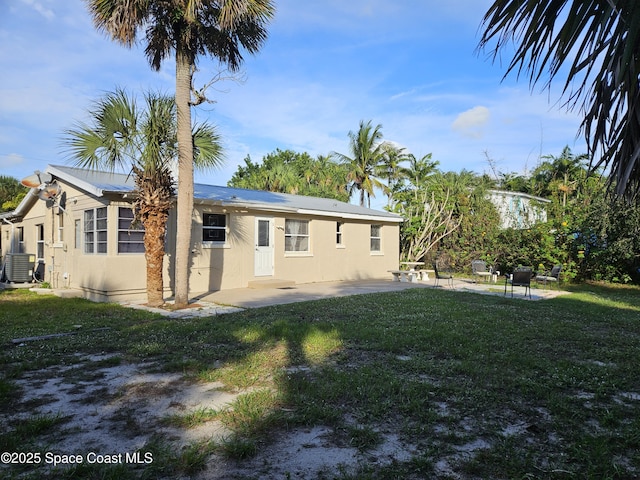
<point x="479" y="269"/>
<point x="552" y="276"/>
<point x="440" y="274"/>
<point x="521" y="277"/>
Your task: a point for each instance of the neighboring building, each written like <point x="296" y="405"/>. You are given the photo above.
<point x="518" y="210"/>
<point x="83" y="239"/>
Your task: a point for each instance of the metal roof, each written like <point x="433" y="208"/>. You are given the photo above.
<point x="99" y="183"/>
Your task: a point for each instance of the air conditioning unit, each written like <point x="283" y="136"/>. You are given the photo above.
<point x="19" y="267"/>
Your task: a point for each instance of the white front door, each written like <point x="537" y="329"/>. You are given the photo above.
<point x="264" y="247"/>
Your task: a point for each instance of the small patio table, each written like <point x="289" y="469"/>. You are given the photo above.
<point x="412" y="268"/>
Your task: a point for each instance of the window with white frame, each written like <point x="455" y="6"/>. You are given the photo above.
<point x="40" y="241"/>
<point x="214" y="227"/>
<point x="296" y="235"/>
<point x="339" y="228"/>
<point x="95" y="230"/>
<point x="78" y="234"/>
<point x="130" y="235"/>
<point x="376" y="239"/>
<point x="20" y="238"/>
<point x="60" y="227"/>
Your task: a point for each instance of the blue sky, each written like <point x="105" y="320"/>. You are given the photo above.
<point x="408" y="65"/>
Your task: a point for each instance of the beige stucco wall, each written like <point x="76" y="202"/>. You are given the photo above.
<point x="115" y="277"/>
<point x="109" y="276"/>
<point x="232" y="265"/>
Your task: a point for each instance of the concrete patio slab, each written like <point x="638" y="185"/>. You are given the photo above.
<point x="233" y="300"/>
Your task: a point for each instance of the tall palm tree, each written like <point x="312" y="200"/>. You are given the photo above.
<point x="121" y="136"/>
<point x="367" y="152"/>
<point x="186" y="29"/>
<point x="420" y="170"/>
<point x="597" y="44"/>
<point x="390" y="168"/>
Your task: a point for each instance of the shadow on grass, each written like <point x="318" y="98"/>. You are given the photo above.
<point x="471" y="385"/>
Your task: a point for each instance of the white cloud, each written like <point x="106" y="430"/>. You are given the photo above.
<point x="326" y="66"/>
<point x="11" y="160"/>
<point x="472" y="122"/>
<point x="40" y="8"/>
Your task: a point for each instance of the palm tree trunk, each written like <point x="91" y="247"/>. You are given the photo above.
<point x="154" y="230"/>
<point x="185" y="179"/>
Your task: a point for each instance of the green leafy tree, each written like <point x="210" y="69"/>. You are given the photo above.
<point x="366" y="153"/>
<point x="608" y="244"/>
<point x="11" y="193"/>
<point x="479" y="221"/>
<point x="186" y="29"/>
<point x="427" y="223"/>
<point x="121" y="135"/>
<point x="287" y="171"/>
<point x="514" y="182"/>
<point x="596" y="44"/>
<point x="428" y="209"/>
<point x="529" y="247"/>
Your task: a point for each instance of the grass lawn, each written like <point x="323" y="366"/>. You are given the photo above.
<point x="469" y="386"/>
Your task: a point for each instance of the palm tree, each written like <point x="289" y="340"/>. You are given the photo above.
<point x="562" y="173"/>
<point x="186" y="29"/>
<point x="597" y="42"/>
<point x="391" y="168"/>
<point x="120" y="136"/>
<point x="420" y="170"/>
<point x="367" y="152"/>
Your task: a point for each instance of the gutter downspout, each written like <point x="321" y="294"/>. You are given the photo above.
<point x="13" y="237"/>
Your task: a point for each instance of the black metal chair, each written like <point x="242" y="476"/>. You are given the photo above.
<point x="439" y="274"/>
<point x="552" y="276"/>
<point x="521" y="277"/>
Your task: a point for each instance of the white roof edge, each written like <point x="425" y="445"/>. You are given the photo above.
<point x="519" y="194"/>
<point x="98" y="192"/>
<point x="351" y="216"/>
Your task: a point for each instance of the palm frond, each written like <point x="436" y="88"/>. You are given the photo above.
<point x="596" y="43"/>
<point x="119" y="19"/>
<point x="207" y="148"/>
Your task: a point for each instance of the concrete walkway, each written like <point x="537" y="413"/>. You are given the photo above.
<point x="233" y="300"/>
<point x="237" y="299"/>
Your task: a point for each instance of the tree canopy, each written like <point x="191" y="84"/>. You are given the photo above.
<point x="286" y="171"/>
<point x="11" y="193"/>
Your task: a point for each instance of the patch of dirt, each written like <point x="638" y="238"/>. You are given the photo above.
<point x="308" y="453"/>
<point x="119" y="410"/>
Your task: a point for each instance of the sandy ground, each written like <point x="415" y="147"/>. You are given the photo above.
<point x="115" y="410"/>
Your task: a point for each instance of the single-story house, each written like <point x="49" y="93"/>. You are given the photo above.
<point x="77" y="229"/>
<point x="518" y="210"/>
